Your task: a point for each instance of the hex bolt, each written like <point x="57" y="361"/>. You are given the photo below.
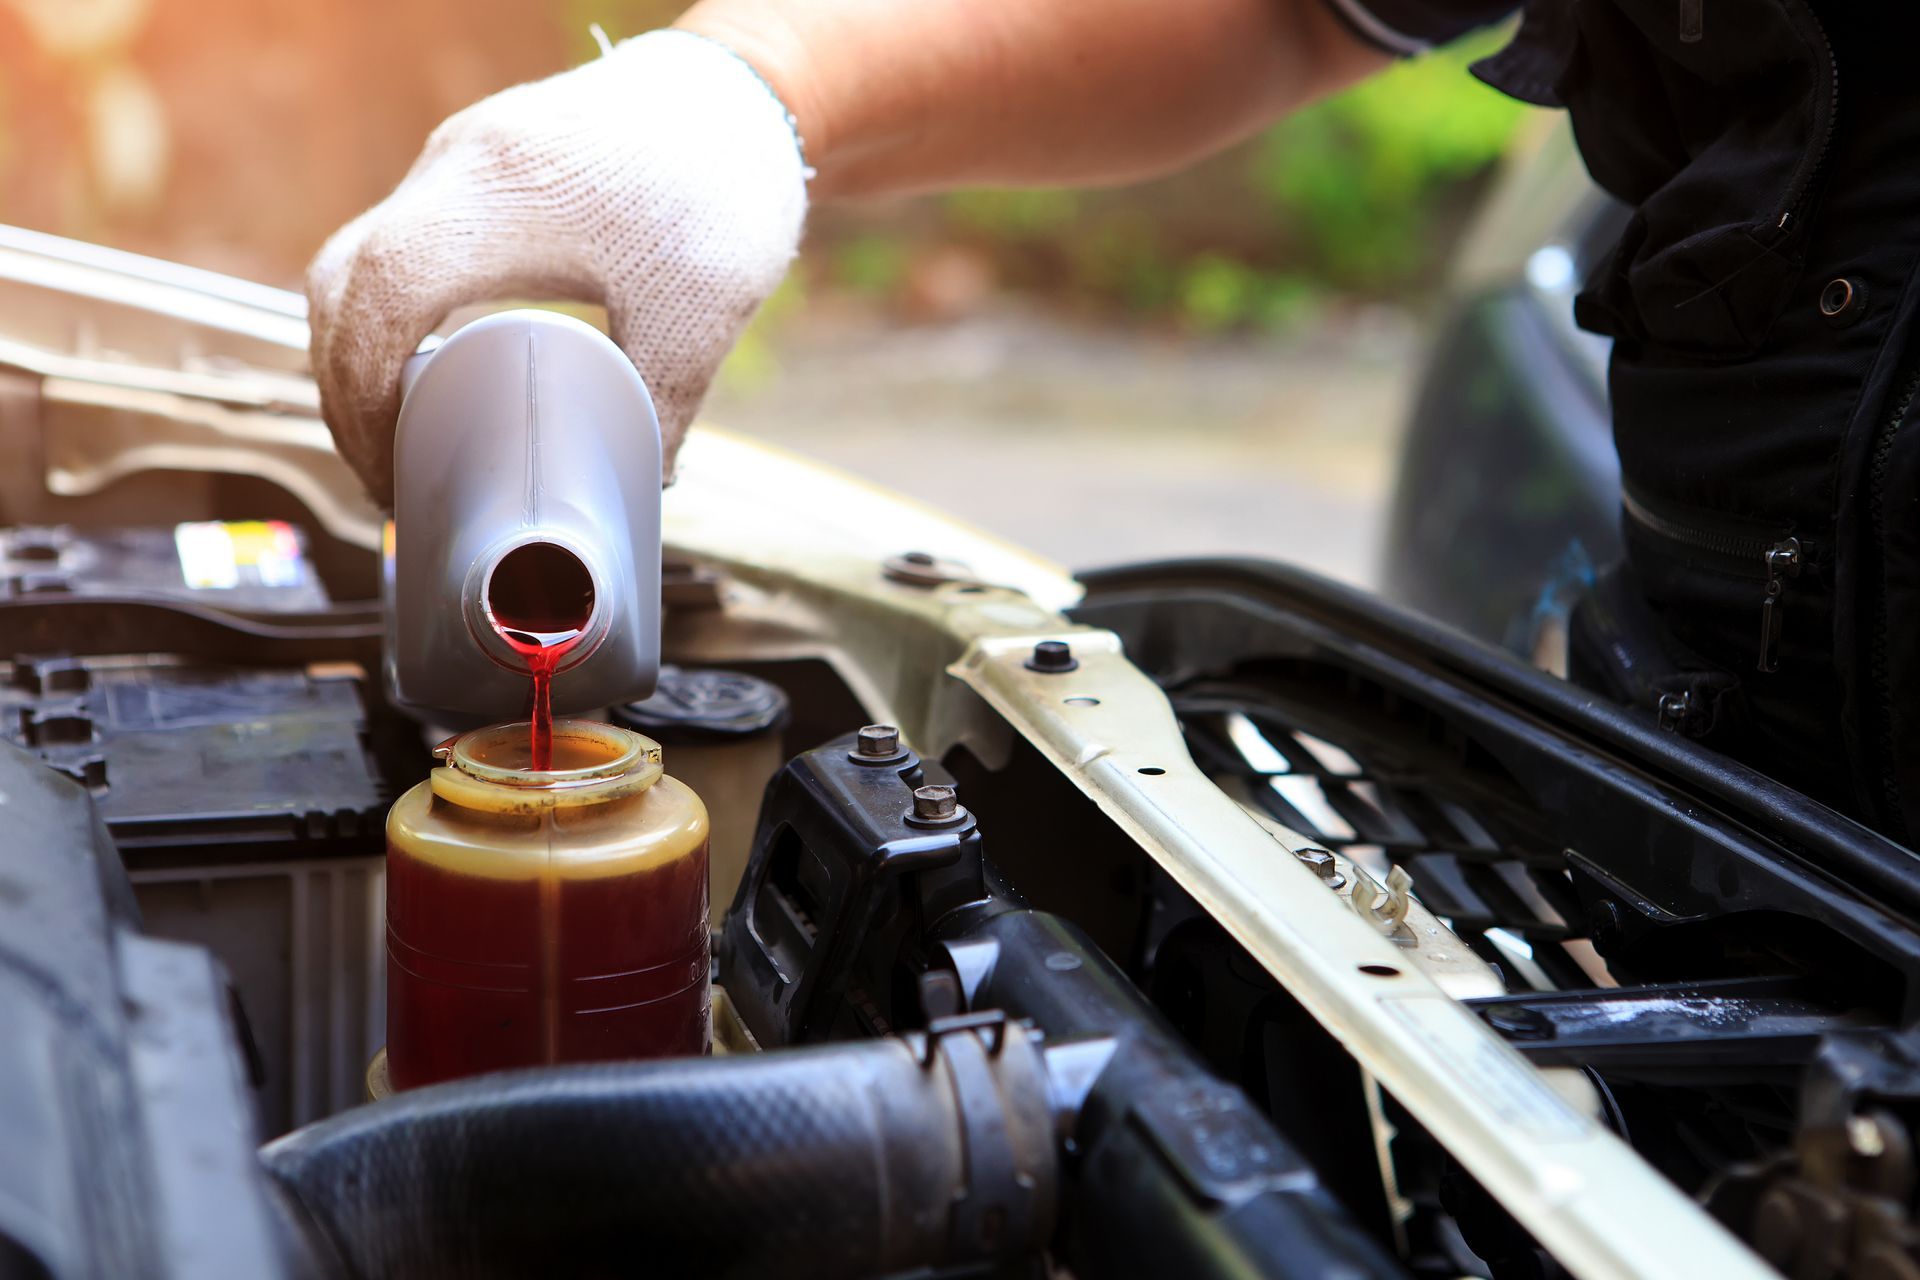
<point x="935" y="804"/>
<point x="1052" y="657"/>
<point x="1322" y="864"/>
<point x="878" y="741"/>
<point x="1320" y="861"/>
<point x="923" y="569"/>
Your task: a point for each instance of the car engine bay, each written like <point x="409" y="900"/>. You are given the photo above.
<point x="1196" y="919"/>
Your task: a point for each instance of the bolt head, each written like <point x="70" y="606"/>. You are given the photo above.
<point x="1866" y="1137"/>
<point x="878" y="740"/>
<point x="1320" y="861"/>
<point x="1052" y="657"/>
<point x="924" y="569"/>
<point x="934" y="803"/>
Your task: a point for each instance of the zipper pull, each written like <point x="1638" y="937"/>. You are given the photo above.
<point x="1675" y="710"/>
<point x="1783" y="562"/>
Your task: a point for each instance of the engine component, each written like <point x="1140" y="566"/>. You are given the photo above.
<point x="247" y="810"/>
<point x="1178" y="1173"/>
<point x="838" y="854"/>
<point x="853" y="901"/>
<point x="841" y="1161"/>
<point x="128" y="1140"/>
<point x="543" y="916"/>
<point x="723" y="729"/>
<point x="1565" y="843"/>
<point x="525" y="434"/>
<point x="184" y="755"/>
<point x="1840" y="1201"/>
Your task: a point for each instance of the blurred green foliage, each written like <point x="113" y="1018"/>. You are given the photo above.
<point x="1360" y="193"/>
<point x="1361" y="173"/>
<point x="872" y="262"/>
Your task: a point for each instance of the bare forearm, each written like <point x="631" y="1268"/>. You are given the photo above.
<point x="910" y="95"/>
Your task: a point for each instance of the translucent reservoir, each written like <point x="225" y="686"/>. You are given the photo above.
<point x="557" y="915"/>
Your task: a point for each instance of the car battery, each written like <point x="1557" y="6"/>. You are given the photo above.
<point x="244" y="566"/>
<point x="243" y="800"/>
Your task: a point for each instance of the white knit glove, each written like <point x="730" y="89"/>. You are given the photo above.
<point x="664" y="180"/>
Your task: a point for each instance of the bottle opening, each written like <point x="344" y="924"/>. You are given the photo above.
<point x="539" y="591"/>
<point x="581" y="751"/>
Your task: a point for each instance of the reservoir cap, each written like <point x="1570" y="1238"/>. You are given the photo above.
<point x="706" y="706"/>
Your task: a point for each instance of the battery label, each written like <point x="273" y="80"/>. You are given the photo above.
<point x="219" y="555"/>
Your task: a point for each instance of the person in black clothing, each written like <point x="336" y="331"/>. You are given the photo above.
<point x="1759" y="299"/>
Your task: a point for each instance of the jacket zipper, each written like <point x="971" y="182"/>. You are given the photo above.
<point x="1771" y="559"/>
<point x="1803" y="183"/>
<point x="1878" y="462"/>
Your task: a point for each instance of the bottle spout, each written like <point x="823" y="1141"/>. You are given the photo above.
<point x="526" y="523"/>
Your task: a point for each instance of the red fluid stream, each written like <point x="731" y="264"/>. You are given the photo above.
<point x="539" y="599"/>
<point x="543" y="652"/>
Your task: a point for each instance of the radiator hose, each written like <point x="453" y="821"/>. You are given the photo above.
<point x="851" y="1159"/>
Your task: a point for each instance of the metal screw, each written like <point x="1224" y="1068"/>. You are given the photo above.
<point x="1323" y="865"/>
<point x="935" y="804"/>
<point x="879" y="741"/>
<point x="1052" y="657"/>
<point x="924" y="569"/>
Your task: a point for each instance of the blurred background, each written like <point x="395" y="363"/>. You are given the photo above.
<point x="1215" y="362"/>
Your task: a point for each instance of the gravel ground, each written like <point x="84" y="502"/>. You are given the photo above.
<point x="1096" y="446"/>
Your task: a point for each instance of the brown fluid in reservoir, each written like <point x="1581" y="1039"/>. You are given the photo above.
<point x="574" y="933"/>
<point x="539" y="598"/>
<point x="572" y="970"/>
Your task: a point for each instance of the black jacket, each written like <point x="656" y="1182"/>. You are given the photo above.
<point x="1766" y="359"/>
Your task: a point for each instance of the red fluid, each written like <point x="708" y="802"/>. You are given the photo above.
<point x="543" y="652"/>
<point x="489" y="974"/>
<point x="539" y="598"/>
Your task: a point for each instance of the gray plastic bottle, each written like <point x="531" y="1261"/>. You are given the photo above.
<point x="523" y="428"/>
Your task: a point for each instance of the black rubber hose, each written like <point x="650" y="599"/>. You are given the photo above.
<point x="847" y="1160"/>
<point x="1175" y="1172"/>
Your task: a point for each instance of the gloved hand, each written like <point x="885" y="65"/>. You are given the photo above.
<point x="664" y="180"/>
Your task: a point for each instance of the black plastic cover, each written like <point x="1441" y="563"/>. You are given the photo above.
<point x="256" y="762"/>
<point x="128" y="1151"/>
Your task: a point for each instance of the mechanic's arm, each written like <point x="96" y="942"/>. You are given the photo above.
<point x="894" y="97"/>
<point x="664" y="179"/>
